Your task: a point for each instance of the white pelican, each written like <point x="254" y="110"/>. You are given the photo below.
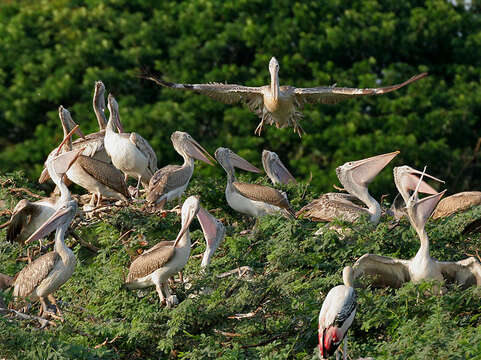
<point x="394" y="272"/>
<point x="251" y="199"/>
<point x="279" y="105"/>
<point x="171" y="181"/>
<point x="336" y="316"/>
<point x="355" y="176"/>
<point x="130" y="153"/>
<point x="40" y="278"/>
<point x="165" y="259"/>
<point x="275" y="169"/>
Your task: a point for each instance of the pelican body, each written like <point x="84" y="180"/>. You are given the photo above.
<point x="336" y="316"/>
<point x="171" y="181"/>
<point x="275" y="169"/>
<point x="251" y="199"/>
<point x="130" y="153"/>
<point x="279" y="105"/>
<point x="355" y="176"/>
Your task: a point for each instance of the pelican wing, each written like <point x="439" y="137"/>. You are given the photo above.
<point x="92" y="143"/>
<point x="464" y="272"/>
<point x="265" y="194"/>
<point x="5" y="281"/>
<point x="145" y="149"/>
<point x="105" y="173"/>
<point x="333" y="206"/>
<point x="386" y="271"/>
<point x="159" y="245"/>
<point x="457" y="203"/>
<point x="34" y="273"/>
<point x="333" y="94"/>
<point x="226" y="93"/>
<point x="168" y="178"/>
<point x="19" y="219"/>
<point x="150" y="261"/>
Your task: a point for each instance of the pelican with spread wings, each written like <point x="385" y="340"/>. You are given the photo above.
<point x="280" y="105"/>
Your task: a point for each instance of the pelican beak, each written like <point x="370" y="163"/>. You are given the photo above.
<point x="185" y="227"/>
<point x="424" y="208"/>
<point x="114" y="112"/>
<point x="195" y="150"/>
<point x="56" y="220"/>
<point x="410" y="181"/>
<point x="68" y="122"/>
<point x="44" y="176"/>
<point x="241" y="163"/>
<point x="364" y="171"/>
<point x="214" y="232"/>
<point x="63" y="162"/>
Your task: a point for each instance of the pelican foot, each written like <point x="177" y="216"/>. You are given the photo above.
<point x="171" y="301"/>
<point x="53" y="315"/>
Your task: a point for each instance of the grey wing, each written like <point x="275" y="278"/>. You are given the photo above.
<point x="34" y="273"/>
<point x="385" y="270"/>
<point x="147" y="263"/>
<point x="464" y="272"/>
<point x="328" y="208"/>
<point x="19" y="219"/>
<point x="146" y="149"/>
<point x="92" y="143"/>
<point x="333" y="94"/>
<point x="348" y="307"/>
<point x="265" y="194"/>
<point x="226" y="93"/>
<point x="168" y="178"/>
<point x="159" y="245"/>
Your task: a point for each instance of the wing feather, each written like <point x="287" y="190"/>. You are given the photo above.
<point x="464" y="272"/>
<point x="385" y="270"/>
<point x="145" y="149"/>
<point x="265" y="194"/>
<point x="150" y="261"/>
<point x="34" y="273"/>
<point x="329" y="207"/>
<point x="168" y="178"/>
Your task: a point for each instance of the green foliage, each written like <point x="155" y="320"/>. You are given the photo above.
<point x="292" y="272"/>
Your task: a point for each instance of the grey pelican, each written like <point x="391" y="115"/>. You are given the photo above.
<point x="40" y="278"/>
<point x="97" y="177"/>
<point x="279" y="105"/>
<point x="165" y="259"/>
<point x="130" y="153"/>
<point x="395" y="272"/>
<point x="355" y="176"/>
<point x="336" y="316"/>
<point x="171" y="181"/>
<point x="251" y="199"/>
<point x="275" y="169"/>
<point x="93" y="143"/>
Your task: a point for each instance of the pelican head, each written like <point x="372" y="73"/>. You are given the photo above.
<point x="99" y="103"/>
<point x="114" y="112"/>
<point x="274" y="71"/>
<point x="355" y="176"/>
<point x="190" y="208"/>
<point x="229" y="159"/>
<point x="406" y="180"/>
<point x="185" y="145"/>
<point x="67" y="122"/>
<point x="270" y="161"/>
<point x="214" y="233"/>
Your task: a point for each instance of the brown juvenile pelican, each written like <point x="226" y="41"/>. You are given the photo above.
<point x="171" y="181"/>
<point x="97" y="177"/>
<point x="130" y="152"/>
<point x="336" y="316"/>
<point x="275" y="169"/>
<point x="40" y="278"/>
<point x="156" y="266"/>
<point x="251" y="199"/>
<point x="355" y="176"/>
<point x="394" y="272"/>
<point x="280" y="105"/>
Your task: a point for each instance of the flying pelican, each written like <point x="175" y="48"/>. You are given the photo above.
<point x="156" y="266"/>
<point x="40" y="278"/>
<point x="275" y="169"/>
<point x="171" y="181"/>
<point x="355" y="176"/>
<point x="98" y="177"/>
<point x="336" y="316"/>
<point x="251" y="199"/>
<point x="395" y="272"/>
<point x="279" y="105"/>
<point x="130" y="153"/>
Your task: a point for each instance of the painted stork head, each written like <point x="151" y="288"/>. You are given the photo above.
<point x="185" y="145"/>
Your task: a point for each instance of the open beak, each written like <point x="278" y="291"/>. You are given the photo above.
<point x="185" y="227"/>
<point x="195" y="150"/>
<point x="214" y="232"/>
<point x="364" y="171"/>
<point x="241" y="163"/>
<point x="67" y="121"/>
<point x="412" y="182"/>
<point x="56" y="220"/>
<point x="44" y="176"/>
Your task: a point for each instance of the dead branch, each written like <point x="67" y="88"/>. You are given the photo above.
<point x="43" y="322"/>
<point x="241" y="271"/>
<point x="265" y="342"/>
<point x="28" y="192"/>
<point x="227" y="334"/>
<point x="84" y="243"/>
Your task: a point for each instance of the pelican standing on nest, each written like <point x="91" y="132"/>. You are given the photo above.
<point x="251" y="199"/>
<point x="130" y="153"/>
<point x="355" y="176"/>
<point x="42" y="277"/>
<point x="395" y="272"/>
<point x="275" y="169"/>
<point x="171" y="181"/>
<point x="279" y="105"/>
<point x="336" y="316"/>
<point x="157" y="265"/>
